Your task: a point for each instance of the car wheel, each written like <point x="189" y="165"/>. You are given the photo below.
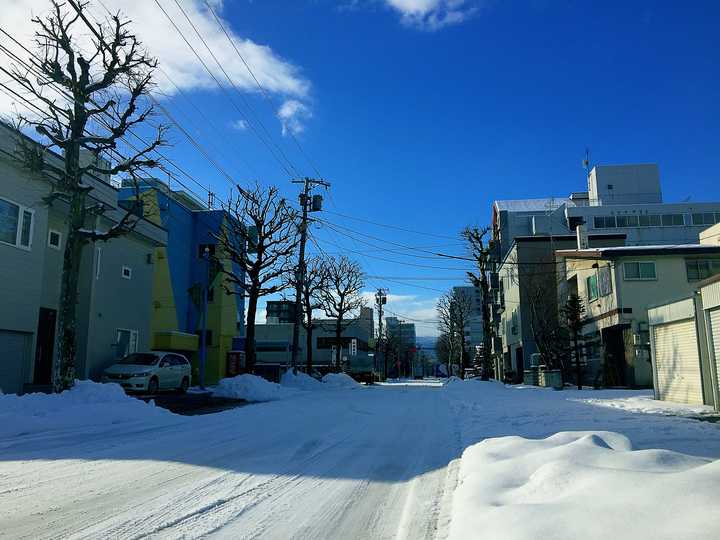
<point x="184" y="385"/>
<point x="153" y="386"/>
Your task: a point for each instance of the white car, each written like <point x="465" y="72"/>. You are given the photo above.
<point x="150" y="371"/>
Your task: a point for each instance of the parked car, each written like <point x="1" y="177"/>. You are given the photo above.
<point x="150" y="372"/>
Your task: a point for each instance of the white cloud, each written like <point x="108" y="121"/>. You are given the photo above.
<point x="292" y="113"/>
<point x="239" y="125"/>
<point x="433" y="14"/>
<point x="277" y="75"/>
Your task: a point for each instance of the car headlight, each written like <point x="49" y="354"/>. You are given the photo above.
<point x="141" y="374"/>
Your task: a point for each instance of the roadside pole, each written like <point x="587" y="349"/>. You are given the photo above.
<point x="380" y="301"/>
<point x="307" y="204"/>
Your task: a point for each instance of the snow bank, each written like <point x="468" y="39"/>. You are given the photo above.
<point x="252" y="388"/>
<point x="85" y="404"/>
<point x="340" y="380"/>
<point x="583" y="484"/>
<point x="646" y="404"/>
<point x="300" y="380"/>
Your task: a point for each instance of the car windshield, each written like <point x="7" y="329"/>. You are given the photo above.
<point x="140" y="359"/>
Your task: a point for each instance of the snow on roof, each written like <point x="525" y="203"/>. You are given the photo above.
<point x="638" y="250"/>
<point x="532" y="205"/>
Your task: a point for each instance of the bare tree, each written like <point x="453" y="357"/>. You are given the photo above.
<point x="482" y="253"/>
<point x="259" y="240"/>
<point x="73" y="90"/>
<point x="454" y="309"/>
<point x="341" y="295"/>
<point x="315" y="280"/>
<point x="443" y="349"/>
<point x="448" y="330"/>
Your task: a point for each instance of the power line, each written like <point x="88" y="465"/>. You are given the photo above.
<point x="68" y="97"/>
<point x="260" y="86"/>
<point x="284" y="165"/>
<point x="392" y="226"/>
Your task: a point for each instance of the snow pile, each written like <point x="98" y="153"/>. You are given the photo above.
<point x="583" y="484"/>
<point x="646" y="404"/>
<point x="340" y="380"/>
<point x="85" y="404"/>
<point x="299" y="380"/>
<point x="252" y="388"/>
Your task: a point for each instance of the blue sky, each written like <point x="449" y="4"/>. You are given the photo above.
<point x="421" y="112"/>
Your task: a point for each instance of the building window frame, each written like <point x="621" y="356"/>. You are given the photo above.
<point x="712" y="267"/>
<point x="126" y="272"/>
<point x="56" y="234"/>
<point x="24" y="214"/>
<point x="629" y="275"/>
<point x="591" y="286"/>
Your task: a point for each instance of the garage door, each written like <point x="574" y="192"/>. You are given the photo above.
<point x="14" y="356"/>
<point x="715" y="329"/>
<point x="677" y="362"/>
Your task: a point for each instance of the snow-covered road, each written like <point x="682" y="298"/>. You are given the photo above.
<point x="370" y="463"/>
<point x="378" y="462"/>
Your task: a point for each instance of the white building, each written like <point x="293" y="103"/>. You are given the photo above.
<point x="620" y="200"/>
<point x="473" y="331"/>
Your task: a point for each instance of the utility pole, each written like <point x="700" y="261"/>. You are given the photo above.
<point x="308" y="204"/>
<point x="380" y="301"/>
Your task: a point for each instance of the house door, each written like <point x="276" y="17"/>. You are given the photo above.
<point x="44" y="346"/>
<point x="520" y="364"/>
<point x="615" y="364"/>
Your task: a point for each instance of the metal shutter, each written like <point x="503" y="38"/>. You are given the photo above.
<point x="715" y="329"/>
<point x="677" y="362"/>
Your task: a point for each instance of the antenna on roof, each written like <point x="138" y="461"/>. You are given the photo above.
<point x="586" y="161"/>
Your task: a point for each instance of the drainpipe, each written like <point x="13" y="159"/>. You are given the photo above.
<point x="203" y="334"/>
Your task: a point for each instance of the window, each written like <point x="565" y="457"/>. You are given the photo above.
<point x="627" y="221"/>
<point x="707" y="218"/>
<point x="54" y="239"/>
<point x="126" y="272"/>
<point x="211" y="294"/>
<point x="639" y="271"/>
<point x="673" y="220"/>
<point x="591" y="282"/>
<point x="16" y="224"/>
<point x="698" y="269"/>
<point x="604" y="281"/>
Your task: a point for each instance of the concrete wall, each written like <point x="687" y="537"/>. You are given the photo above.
<point x="624" y="184"/>
<point x="117" y="302"/>
<point x="648" y="235"/>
